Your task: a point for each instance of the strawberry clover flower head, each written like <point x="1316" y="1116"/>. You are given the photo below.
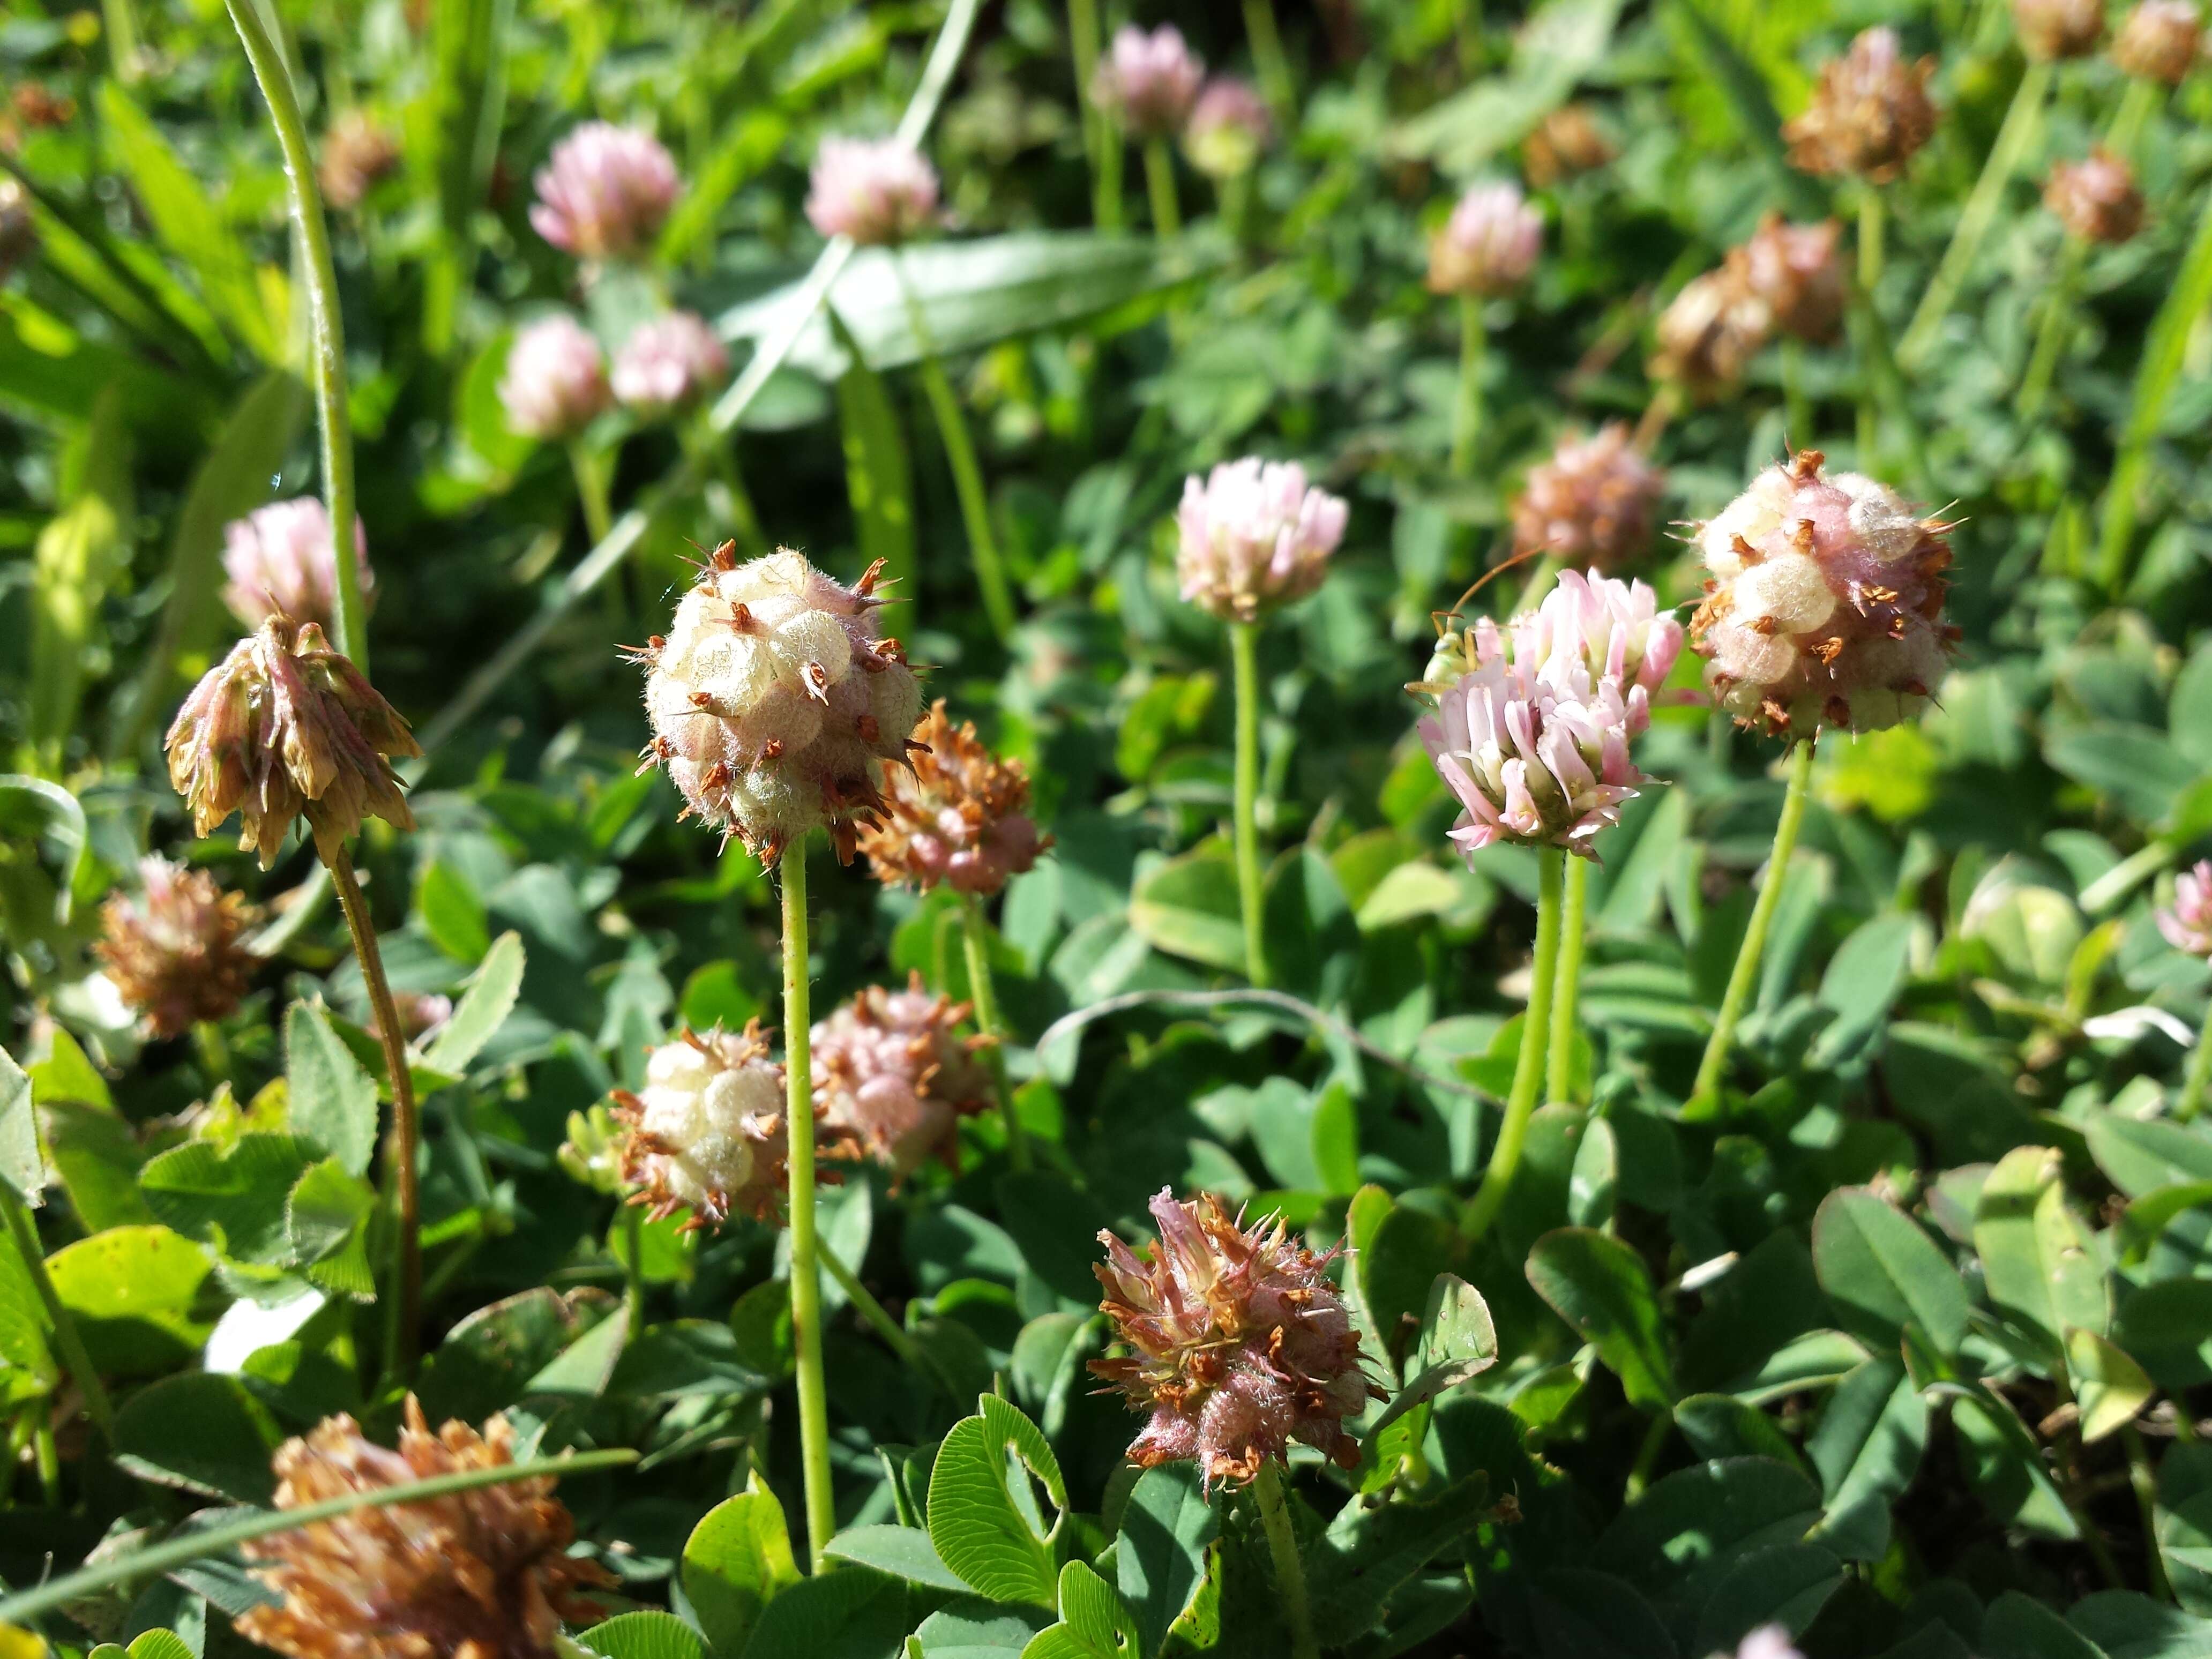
<point x="2160" y="41"/>
<point x="880" y="192"/>
<point x="889" y="1073"/>
<point x="177" y="954"/>
<point x="1793" y="270"/>
<point x="1254" y="537"/>
<point x="2187" y="924"/>
<point x="1228" y="129"/>
<point x="604" y="191"/>
<point x="1239" y="1343"/>
<point x="1147" y="82"/>
<point x="707" y="1134"/>
<point x="669" y="363"/>
<point x="1709" y="333"/>
<point x="282" y="561"/>
<point x="1489" y="245"/>
<point x="956" y="814"/>
<point x="2055" y="29"/>
<point x="1869" y="114"/>
<point x="2096" y="199"/>
<point x="1592" y="502"/>
<point x="555" y="382"/>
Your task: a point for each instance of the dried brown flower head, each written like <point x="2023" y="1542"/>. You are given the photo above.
<point x="1794" y="272"/>
<point x="1869" y="113"/>
<point x="38" y="105"/>
<point x="1566" y="142"/>
<point x="358" y="151"/>
<point x="1592" y="503"/>
<point x="959" y="816"/>
<point x="178" y="953"/>
<point x="1708" y="335"/>
<point x="2096" y="199"/>
<point x="2160" y="41"/>
<point x="285" y="727"/>
<point x="481" y="1574"/>
<point x="1243" y="1344"/>
<point x="890" y="1073"/>
<point x="2054" y="29"/>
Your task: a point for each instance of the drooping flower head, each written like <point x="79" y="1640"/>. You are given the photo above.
<point x="1869" y="113"/>
<point x="555" y="383"/>
<point x="1566" y="142"/>
<point x="1489" y="245"/>
<point x="1592" y="502"/>
<point x="2096" y="199"/>
<point x="2160" y="41"/>
<point x="1824" y="605"/>
<point x="1147" y="82"/>
<point x="879" y="192"/>
<point x="890" y="1073"/>
<point x="285" y="727"/>
<point x="669" y="363"/>
<point x="1228" y="129"/>
<point x="282" y="561"/>
<point x="358" y="151"/>
<point x="2188" y="924"/>
<point x="707" y="1133"/>
<point x="178" y="953"/>
<point x="958" y="815"/>
<point x="1793" y="271"/>
<point x="776" y="701"/>
<point x="1240" y="1344"/>
<point x="604" y="191"/>
<point x="1708" y="333"/>
<point x="2052" y="29"/>
<point x="479" y="1574"/>
<point x="1253" y="537"/>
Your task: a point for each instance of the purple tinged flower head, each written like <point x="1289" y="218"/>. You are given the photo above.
<point x="1617" y="631"/>
<point x="281" y="562"/>
<point x="1253" y="537"/>
<point x="879" y="192"/>
<point x="1229" y="126"/>
<point x="1148" y="82"/>
<point x="669" y="363"/>
<point x="555" y="383"/>
<point x="1489" y="245"/>
<point x="2188" y="925"/>
<point x="1593" y="500"/>
<point x="890" y="1074"/>
<point x="605" y="192"/>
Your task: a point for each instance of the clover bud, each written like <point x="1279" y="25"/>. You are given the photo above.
<point x="1147" y="82"/>
<point x="707" y="1133"/>
<point x="177" y="954"/>
<point x="2096" y="199"/>
<point x="592" y="1152"/>
<point x="2187" y="923"/>
<point x="1591" y="504"/>
<point x="1869" y="114"/>
<point x="2160" y="41"/>
<point x="1240" y="1344"/>
<point x="604" y="191"/>
<point x="889" y="1073"/>
<point x="880" y="192"/>
<point x="1489" y="245"/>
<point x="1253" y="537"/>
<point x="282" y="560"/>
<point x="775" y="702"/>
<point x="358" y="152"/>
<point x="1228" y="129"/>
<point x="670" y="363"/>
<point x="957" y="816"/>
<point x="555" y="381"/>
<point x="2055" y="29"/>
<point x="1825" y="603"/>
<point x="1566" y="142"/>
<point x="1708" y="333"/>
<point x="1793" y="271"/>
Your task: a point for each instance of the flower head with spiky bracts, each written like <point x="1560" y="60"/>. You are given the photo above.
<point x="1147" y="82"/>
<point x="358" y="152"/>
<point x="956" y="814"/>
<point x="1228" y="129"/>
<point x="284" y="727"/>
<point x="879" y="192"/>
<point x="1489" y="245"/>
<point x="890" y="1074"/>
<point x="669" y="363"/>
<point x="2096" y="199"/>
<point x="2187" y="923"/>
<point x="2055" y="29"/>
<point x="1869" y="114"/>
<point x="479" y="1574"/>
<point x="1252" y="535"/>
<point x="1794" y="272"/>
<point x="1240" y="1344"/>
<point x="604" y="191"/>
<point x="178" y="953"/>
<point x="2160" y="41"/>
<point x="555" y="382"/>
<point x="282" y="560"/>
<point x="1591" y="504"/>
<point x="775" y="702"/>
<point x="707" y="1133"/>
<point x="1824" y="605"/>
<point x="1709" y="333"/>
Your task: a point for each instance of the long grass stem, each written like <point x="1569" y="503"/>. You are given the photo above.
<point x="1269" y="61"/>
<point x="1099" y="140"/>
<point x="1528" y="1068"/>
<point x="1244" y="653"/>
<point x="2056" y="329"/>
<point x="806" y="1254"/>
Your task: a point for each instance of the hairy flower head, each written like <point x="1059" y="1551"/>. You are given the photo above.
<point x="1147" y="82"/>
<point x="707" y="1133"/>
<point x="1592" y="502"/>
<point x="1708" y="333"/>
<point x="177" y="952"/>
<point x="1794" y="272"/>
<point x="555" y="383"/>
<point x="2053" y="29"/>
<point x="889" y="1073"/>
<point x="604" y="191"/>
<point x="2160" y="41"/>
<point x="879" y="192"/>
<point x="2096" y="199"/>
<point x="958" y="815"/>
<point x="1252" y="535"/>
<point x="282" y="560"/>
<point x="670" y="362"/>
<point x="1869" y="113"/>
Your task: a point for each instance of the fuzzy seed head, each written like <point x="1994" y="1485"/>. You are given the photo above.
<point x="2096" y="199"/>
<point x="358" y="152"/>
<point x="1253" y="537"/>
<point x="555" y="383"/>
<point x="1825" y="602"/>
<point x="479" y="1574"/>
<point x="889" y="1073"/>
<point x="958" y="815"/>
<point x="1489" y="245"/>
<point x="1239" y="1343"/>
<point x="1708" y="333"/>
<point x="1566" y="142"/>
<point x="880" y="192"/>
<point x="282" y="561"/>
<point x="707" y="1133"/>
<point x="1793" y="271"/>
<point x="2160" y="41"/>
<point x="670" y="363"/>
<point x="1228" y="129"/>
<point x="2054" y="29"/>
<point x="2187" y="923"/>
<point x="604" y="191"/>
<point x="285" y="727"/>
<point x="177" y="952"/>
<point x="1592" y="503"/>
<point x="776" y="702"/>
<point x="1869" y="114"/>
<point x="1147" y="82"/>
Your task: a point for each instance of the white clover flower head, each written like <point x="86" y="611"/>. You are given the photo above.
<point x="879" y="192"/>
<point x="890" y="1073"/>
<point x="604" y="191"/>
<point x="668" y="363"/>
<point x="707" y="1133"/>
<point x="555" y="382"/>
<point x="1593" y="501"/>
<point x="1489" y="245"/>
<point x="1228" y="128"/>
<point x="281" y="562"/>
<point x="1615" y="629"/>
<point x="2187" y="922"/>
<point x="1253" y="536"/>
<point x="1147" y="82"/>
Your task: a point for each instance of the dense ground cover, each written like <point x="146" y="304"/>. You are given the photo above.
<point x="1530" y="696"/>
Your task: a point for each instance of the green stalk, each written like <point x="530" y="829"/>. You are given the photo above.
<point x="67" y="1337"/>
<point x="591" y="468"/>
<point x="983" y="992"/>
<point x="1244" y="655"/>
<point x="2057" y="325"/>
<point x="2015" y="138"/>
<point x="1268" y="59"/>
<point x="1160" y="186"/>
<point x="1744" y="974"/>
<point x="147" y="1565"/>
<point x="2136" y="104"/>
<point x="2191" y="1100"/>
<point x="805" y="1246"/>
<point x="326" y="351"/>
<point x="1099" y="140"/>
<point x="1283" y="1547"/>
<point x="1467" y="412"/>
<point x="1870" y="256"/>
<point x="1797" y="408"/>
<point x="1528" y="1068"/>
<point x="1566" y="994"/>
<point x="911" y="1353"/>
<point x="48" y="1454"/>
<point x="121" y="22"/>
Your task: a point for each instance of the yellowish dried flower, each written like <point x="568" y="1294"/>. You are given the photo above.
<point x="177" y="954"/>
<point x="2054" y="29"/>
<point x="1869" y="113"/>
<point x="1794" y="272"/>
<point x="1709" y="333"/>
<point x="358" y="152"/>
<point x="959" y="816"/>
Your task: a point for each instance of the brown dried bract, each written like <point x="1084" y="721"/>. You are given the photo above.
<point x="958" y="815"/>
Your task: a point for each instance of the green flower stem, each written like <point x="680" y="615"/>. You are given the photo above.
<point x="1467" y="412"/>
<point x="805" y="1246"/>
<point x="2023" y="122"/>
<point x="403" y="1313"/>
<point x="983" y="992"/>
<point x="1244" y="655"/>
<point x="1160" y="186"/>
<point x="1566" y="993"/>
<point x="592" y="467"/>
<point x="48" y="1455"/>
<point x="1289" y="1572"/>
<point x="1102" y="147"/>
<point x="1268" y="59"/>
<point x="326" y="351"/>
<point x="1529" y="1068"/>
<point x="138" y="1566"/>
<point x="2057" y="327"/>
<point x="1870" y="257"/>
<point x="2190" y="1101"/>
<point x="121" y="22"/>
<point x="2136" y="104"/>
<point x="911" y="1353"/>
<point x="1797" y="408"/>
<point x="1707" y="1090"/>
<point x="1647" y="1456"/>
<point x="67" y="1337"/>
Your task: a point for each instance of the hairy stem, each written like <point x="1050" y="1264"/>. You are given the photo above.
<point x="75" y="1356"/>
<point x="1528" y="1068"/>
<point x="983" y="990"/>
<point x="1745" y="974"/>
<point x="1467" y="412"/>
<point x="1160" y="188"/>
<point x="805" y="1246"/>
<point x="1566" y="994"/>
<point x="1244" y="653"/>
<point x="1283" y="1547"/>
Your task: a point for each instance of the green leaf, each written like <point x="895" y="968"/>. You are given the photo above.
<point x="1371" y="1552"/>
<point x="327" y="1220"/>
<point x="482" y="1009"/>
<point x="1862" y="980"/>
<point x="202" y="1432"/>
<point x="1458" y="1344"/>
<point x="1681" y="1538"/>
<point x="66" y="1074"/>
<point x="583" y="1369"/>
<point x="140" y="1297"/>
<point x="97" y="1157"/>
<point x="1881" y="1270"/>
<point x="983" y="1518"/>
<point x="879" y="474"/>
<point x="751" y="140"/>
<point x="1784" y="1584"/>
<point x="2142" y="1155"/>
<point x="1868" y="1449"/>
<point x="850" y="1614"/>
<point x="452" y="913"/>
<point x="1744" y="91"/>
<point x="1601" y="1287"/>
<point x="332" y="1097"/>
<point x="2039" y="1260"/>
<point x="1561" y="41"/>
<point x="902" y="1552"/>
<point x="27" y="1371"/>
<point x="2111" y="1389"/>
<point x="2167" y="1327"/>
<point x="21" y="1167"/>
<point x="736" y="1560"/>
<point x="1580" y="1614"/>
<point x="1159" y="1557"/>
<point x="648" y="1634"/>
<point x="2184" y="1523"/>
<point x="80" y="555"/>
<point x="1188" y="907"/>
<point x="1721" y="1425"/>
<point x="1056" y="1223"/>
<point x="1094" y="1622"/>
<point x="159" y="1644"/>
<point x="234" y="1199"/>
<point x="2018" y="1626"/>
